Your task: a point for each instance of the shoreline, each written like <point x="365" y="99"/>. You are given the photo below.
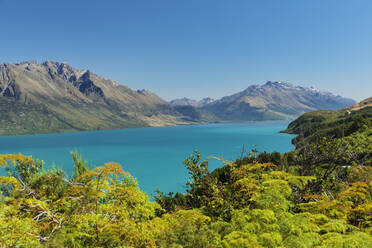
<point x="141" y="127"/>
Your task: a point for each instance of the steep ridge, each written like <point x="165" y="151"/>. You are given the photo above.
<point x="55" y="97"/>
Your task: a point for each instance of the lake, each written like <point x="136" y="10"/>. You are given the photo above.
<point x="153" y="155"/>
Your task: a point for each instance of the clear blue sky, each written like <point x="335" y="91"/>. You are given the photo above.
<point x="198" y="48"/>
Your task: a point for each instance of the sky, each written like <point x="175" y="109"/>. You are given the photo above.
<point x="198" y="48"/>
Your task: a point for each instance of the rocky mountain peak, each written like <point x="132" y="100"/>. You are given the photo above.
<point x="205" y="101"/>
<point x="278" y="84"/>
<point x="184" y="102"/>
<point x="191" y="102"/>
<point x="63" y="70"/>
<point x="86" y="75"/>
<point x="67" y="72"/>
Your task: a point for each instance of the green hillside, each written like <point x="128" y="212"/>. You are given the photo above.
<point x="313" y="126"/>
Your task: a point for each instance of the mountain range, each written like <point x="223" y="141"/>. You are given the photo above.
<point x="270" y="101"/>
<point x="55" y="97"/>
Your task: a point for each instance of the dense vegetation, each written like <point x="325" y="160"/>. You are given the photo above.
<point x="319" y="195"/>
<point x="313" y="126"/>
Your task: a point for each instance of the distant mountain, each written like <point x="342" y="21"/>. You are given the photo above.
<point x="184" y="102"/>
<point x="274" y="101"/>
<point x="54" y="97"/>
<point x="203" y="102"/>
<point x="190" y="102"/>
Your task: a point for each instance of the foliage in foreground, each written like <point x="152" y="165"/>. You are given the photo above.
<point x="319" y="195"/>
<point x="241" y="205"/>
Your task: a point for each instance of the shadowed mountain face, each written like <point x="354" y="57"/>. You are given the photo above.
<point x="54" y="97"/>
<point x="274" y="101"/>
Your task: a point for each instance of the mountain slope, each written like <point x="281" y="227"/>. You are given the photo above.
<point x="273" y="101"/>
<point x="313" y="126"/>
<point x="363" y="104"/>
<point x="54" y="97"/>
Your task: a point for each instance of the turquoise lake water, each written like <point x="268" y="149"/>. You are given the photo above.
<point x="153" y="155"/>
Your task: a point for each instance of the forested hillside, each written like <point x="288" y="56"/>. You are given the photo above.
<point x="345" y="124"/>
<point x="319" y="195"/>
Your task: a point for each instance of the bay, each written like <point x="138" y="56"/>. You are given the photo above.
<point x="152" y="155"/>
